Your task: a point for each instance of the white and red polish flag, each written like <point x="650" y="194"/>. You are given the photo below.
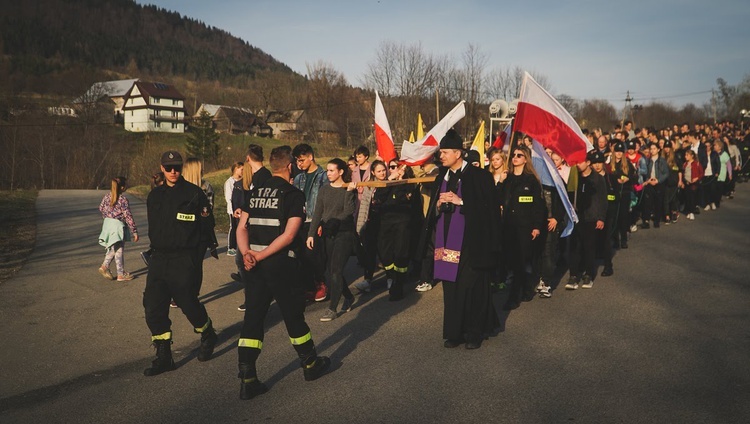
<point x="502" y="140"/>
<point x="543" y="118"/>
<point x="421" y="151"/>
<point x="383" y="137"/>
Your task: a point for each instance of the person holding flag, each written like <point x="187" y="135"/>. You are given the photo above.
<point x="524" y="214"/>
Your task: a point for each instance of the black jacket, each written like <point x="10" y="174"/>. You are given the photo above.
<point x="481" y="208"/>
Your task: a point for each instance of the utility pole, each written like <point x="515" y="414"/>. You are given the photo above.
<point x="628" y="108"/>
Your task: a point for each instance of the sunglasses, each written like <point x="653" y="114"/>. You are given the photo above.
<point x="392" y="166"/>
<point x="519" y="155"/>
<point x="175" y="168"/>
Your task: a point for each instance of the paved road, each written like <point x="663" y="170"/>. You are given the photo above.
<point x="666" y="339"/>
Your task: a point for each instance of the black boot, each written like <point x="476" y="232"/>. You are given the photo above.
<point x="250" y="386"/>
<point x="396" y="292"/>
<point x="314" y="366"/>
<point x="163" y="361"/>
<point x="208" y="342"/>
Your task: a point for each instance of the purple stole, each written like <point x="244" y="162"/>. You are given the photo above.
<point x="448" y="249"/>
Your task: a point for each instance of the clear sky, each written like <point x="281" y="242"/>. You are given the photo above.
<point x="657" y="49"/>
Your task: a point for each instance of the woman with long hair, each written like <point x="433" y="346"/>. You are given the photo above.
<point x="622" y="176"/>
<point x="498" y="166"/>
<point x="395" y="205"/>
<point x="333" y="220"/>
<point x="116" y="230"/>
<point x="368" y="225"/>
<point x="692" y="173"/>
<point x="192" y="172"/>
<point x="522" y="221"/>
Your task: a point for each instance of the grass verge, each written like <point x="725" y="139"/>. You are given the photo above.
<point x="17" y="230"/>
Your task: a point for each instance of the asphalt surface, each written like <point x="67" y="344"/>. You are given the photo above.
<point x="666" y="339"/>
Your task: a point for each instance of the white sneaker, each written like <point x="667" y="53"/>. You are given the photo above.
<point x="707" y="208"/>
<point x="713" y="206"/>
<point x="633" y="228"/>
<point x="691" y="217"/>
<point x="540" y="286"/>
<point x="390" y="283"/>
<point x="363" y="286"/>
<point x="544" y="292"/>
<point x="423" y="287"/>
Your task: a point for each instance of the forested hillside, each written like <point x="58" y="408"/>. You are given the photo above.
<point x="40" y="38"/>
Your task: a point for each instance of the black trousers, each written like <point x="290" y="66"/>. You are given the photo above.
<point x="620" y="233"/>
<point x="313" y="261"/>
<point x="277" y="279"/>
<point x="338" y="250"/>
<point x="582" y="249"/>
<point x="173" y="276"/>
<point x="233" y="223"/>
<point x="521" y="254"/>
<point x="653" y="202"/>
<point x="468" y="311"/>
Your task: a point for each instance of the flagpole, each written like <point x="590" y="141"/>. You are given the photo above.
<point x="437" y="105"/>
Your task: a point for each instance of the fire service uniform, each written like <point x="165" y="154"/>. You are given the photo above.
<point x="181" y="224"/>
<point x="276" y="277"/>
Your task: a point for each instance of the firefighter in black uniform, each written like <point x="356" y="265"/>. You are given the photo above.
<point x="604" y="237"/>
<point x="181" y="225"/>
<point x="266" y="237"/>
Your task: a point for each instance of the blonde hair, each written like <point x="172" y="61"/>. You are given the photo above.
<point x="118" y="187"/>
<point x="247" y="176"/>
<point x="503" y="156"/>
<point x="192" y="171"/>
<point x="624" y="164"/>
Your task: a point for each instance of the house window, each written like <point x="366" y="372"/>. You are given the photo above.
<point x="156" y="100"/>
<point x="174" y="114"/>
<point x="131" y="113"/>
<point x="174" y="126"/>
<point x="131" y="125"/>
<point x="174" y="102"/>
<point x="157" y="124"/>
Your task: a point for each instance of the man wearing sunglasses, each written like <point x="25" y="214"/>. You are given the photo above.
<point x="181" y="223"/>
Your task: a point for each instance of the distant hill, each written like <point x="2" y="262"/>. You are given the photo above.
<point x="49" y="37"/>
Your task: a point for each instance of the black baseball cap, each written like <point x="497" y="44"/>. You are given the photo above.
<point x="171" y="157"/>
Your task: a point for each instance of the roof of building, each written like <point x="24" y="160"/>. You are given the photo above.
<point x="284" y="116"/>
<point x="118" y="88"/>
<point x="158" y="89"/>
<point x="212" y="109"/>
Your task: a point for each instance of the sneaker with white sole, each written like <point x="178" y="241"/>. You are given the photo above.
<point x="691" y="217"/>
<point x="424" y="286"/>
<point x="363" y="286"/>
<point x="125" y="277"/>
<point x="633" y="228"/>
<point x="586" y="282"/>
<point x="572" y="284"/>
<point x="707" y="208"/>
<point x="231" y="252"/>
<point x="329" y="315"/>
<point x="347" y="305"/>
<point x="713" y="206"/>
<point x="544" y="292"/>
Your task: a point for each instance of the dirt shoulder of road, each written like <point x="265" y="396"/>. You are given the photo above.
<point x="17" y="230"/>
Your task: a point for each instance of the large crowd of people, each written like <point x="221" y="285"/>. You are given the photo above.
<point x="475" y="231"/>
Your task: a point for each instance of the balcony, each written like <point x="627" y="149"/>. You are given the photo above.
<point x="163" y="118"/>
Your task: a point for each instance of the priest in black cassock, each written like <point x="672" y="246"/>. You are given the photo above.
<point x="464" y="220"/>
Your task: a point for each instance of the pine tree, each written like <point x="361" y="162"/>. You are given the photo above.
<point x="203" y="141"/>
